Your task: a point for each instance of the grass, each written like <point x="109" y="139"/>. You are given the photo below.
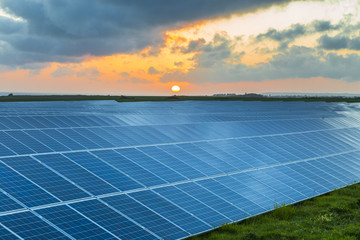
<point x="25" y="98"/>
<point x="335" y="215"/>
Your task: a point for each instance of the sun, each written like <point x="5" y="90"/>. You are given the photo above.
<point x="175" y="88"/>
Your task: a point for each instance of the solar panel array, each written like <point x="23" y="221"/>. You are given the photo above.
<point x="166" y="170"/>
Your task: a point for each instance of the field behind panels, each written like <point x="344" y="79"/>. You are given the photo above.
<point x="168" y="170"/>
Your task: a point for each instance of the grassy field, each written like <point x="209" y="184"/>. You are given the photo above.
<point x="25" y="98"/>
<point x="335" y="215"/>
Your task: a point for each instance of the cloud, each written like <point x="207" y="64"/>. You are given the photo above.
<point x="286" y="36"/>
<point x="89" y="73"/>
<point x="178" y="64"/>
<point x="339" y="42"/>
<point x="217" y="52"/>
<point x="152" y="71"/>
<point x="62" y="72"/>
<point x="9" y="26"/>
<point x="218" y="63"/>
<point x="58" y="30"/>
<point x="194" y="46"/>
<point x="289" y="34"/>
<point x="322" y="26"/>
<point x="134" y="80"/>
<point x="125" y="75"/>
<point x="139" y="80"/>
<point x="13" y="57"/>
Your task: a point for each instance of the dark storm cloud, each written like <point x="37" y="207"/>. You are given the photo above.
<point x="8" y="26"/>
<point x="339" y="42"/>
<point x="12" y="57"/>
<point x="66" y="28"/>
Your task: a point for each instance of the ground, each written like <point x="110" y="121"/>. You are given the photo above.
<point x="24" y="98"/>
<point x="335" y="215"/>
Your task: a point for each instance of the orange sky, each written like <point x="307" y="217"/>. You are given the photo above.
<point x="142" y="72"/>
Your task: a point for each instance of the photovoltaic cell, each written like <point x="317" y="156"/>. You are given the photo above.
<point x="213" y="201"/>
<point x="63" y="139"/>
<point x="147" y="218"/>
<point x="104" y="171"/>
<point x="112" y="220"/>
<point x="76" y="174"/>
<point x="4" y="151"/>
<point x="22" y="189"/>
<point x="172" y="162"/>
<point x="73" y="223"/>
<point x="249" y="207"/>
<point x="8" y="204"/>
<point x="6" y="235"/>
<point x="49" y="141"/>
<point x="169" y="211"/>
<point x="165" y="170"/>
<point x="123" y="164"/>
<point x="193" y="206"/>
<point x="45" y="178"/>
<point x="29" y="226"/>
<point x="191" y="160"/>
<point x="13" y="144"/>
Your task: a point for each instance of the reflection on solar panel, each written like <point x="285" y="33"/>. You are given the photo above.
<point x="167" y="170"/>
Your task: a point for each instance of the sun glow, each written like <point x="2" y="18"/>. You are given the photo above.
<point x="175" y="88"/>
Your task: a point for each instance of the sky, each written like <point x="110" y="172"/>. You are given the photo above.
<point x="142" y="47"/>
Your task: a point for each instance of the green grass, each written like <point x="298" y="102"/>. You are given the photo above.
<point x="335" y="215"/>
<point x="25" y="98"/>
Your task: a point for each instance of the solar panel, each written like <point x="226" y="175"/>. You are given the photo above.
<point x="165" y="170"/>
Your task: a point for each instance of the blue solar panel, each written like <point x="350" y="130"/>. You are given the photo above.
<point x="146" y="217"/>
<point x="76" y="137"/>
<point x="23" y="189"/>
<point x="213" y="201"/>
<point x="112" y="220"/>
<point x="191" y="160"/>
<point x="4" y="151"/>
<point x="165" y="170"/>
<point x="47" y="140"/>
<point x="30" y="142"/>
<point x="172" y="162"/>
<point x="104" y="171"/>
<point x="193" y="206"/>
<point x="87" y="133"/>
<point x="75" y="173"/>
<point x="171" y="212"/>
<point x="207" y="157"/>
<point x="151" y="165"/>
<point x="8" y="204"/>
<point x="228" y="194"/>
<point x="14" y="145"/>
<point x="123" y="164"/>
<point x="7" y="235"/>
<point x="74" y="224"/>
<point x="253" y="195"/>
<point x="29" y="226"/>
<point x="8" y="123"/>
<point x="63" y="139"/>
<point x="45" y="178"/>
